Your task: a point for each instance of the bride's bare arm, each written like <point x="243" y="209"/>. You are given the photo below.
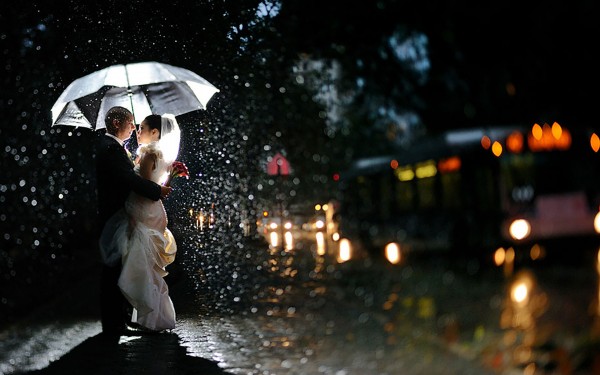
<point x="147" y="165"/>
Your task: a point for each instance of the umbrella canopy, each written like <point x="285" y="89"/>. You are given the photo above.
<point x="145" y="88"/>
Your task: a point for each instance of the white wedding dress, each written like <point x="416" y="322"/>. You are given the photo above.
<point x="146" y="245"/>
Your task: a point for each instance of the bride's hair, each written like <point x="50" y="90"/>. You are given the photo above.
<point x="154" y="122"/>
<point x="169" y="134"/>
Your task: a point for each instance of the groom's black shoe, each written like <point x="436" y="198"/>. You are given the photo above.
<point x="131" y="329"/>
<point x="135" y="329"/>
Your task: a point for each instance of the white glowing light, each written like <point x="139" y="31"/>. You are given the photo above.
<point x="519" y="229"/>
<point x="392" y="253"/>
<point x="320" y="237"/>
<point x="274" y="239"/>
<point x="345" y="252"/>
<point x="289" y="241"/>
<point x="519" y="293"/>
<point x="319" y="224"/>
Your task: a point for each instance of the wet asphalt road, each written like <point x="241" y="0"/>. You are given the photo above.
<point x="293" y="312"/>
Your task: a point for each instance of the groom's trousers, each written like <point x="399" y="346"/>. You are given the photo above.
<point x="113" y="305"/>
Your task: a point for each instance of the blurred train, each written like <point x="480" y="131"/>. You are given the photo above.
<point x="473" y="191"/>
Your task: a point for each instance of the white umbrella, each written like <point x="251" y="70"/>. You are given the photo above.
<point x="145" y="88"/>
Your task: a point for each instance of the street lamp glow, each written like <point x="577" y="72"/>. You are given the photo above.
<point x="319" y="224"/>
<point x="274" y="239"/>
<point x="519" y="293"/>
<point x="392" y="253"/>
<point x="345" y="251"/>
<point x="519" y="229"/>
<point x="320" y="237"/>
<point x="289" y="241"/>
<point x="521" y="289"/>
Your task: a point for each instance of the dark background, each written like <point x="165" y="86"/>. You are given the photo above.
<point x="477" y="64"/>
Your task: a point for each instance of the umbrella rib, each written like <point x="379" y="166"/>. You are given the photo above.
<point x="129" y="92"/>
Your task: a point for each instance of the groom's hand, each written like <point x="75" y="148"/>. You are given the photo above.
<point x="165" y="191"/>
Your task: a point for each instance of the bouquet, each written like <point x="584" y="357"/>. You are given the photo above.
<point x="178" y="169"/>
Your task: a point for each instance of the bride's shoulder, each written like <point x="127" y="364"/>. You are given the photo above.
<point x="151" y="149"/>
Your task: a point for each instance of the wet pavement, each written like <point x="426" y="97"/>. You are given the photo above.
<point x="293" y="312"/>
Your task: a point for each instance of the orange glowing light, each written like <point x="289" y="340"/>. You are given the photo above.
<point x="394" y="164"/>
<point x="595" y="142"/>
<point x="536" y="252"/>
<point x="497" y="148"/>
<point x="451" y="164"/>
<point x="514" y="142"/>
<point x="564" y="142"/>
<point x="556" y="130"/>
<point x="499" y="256"/>
<point x="486" y="142"/>
<point x="548" y="138"/>
<point x="536" y="131"/>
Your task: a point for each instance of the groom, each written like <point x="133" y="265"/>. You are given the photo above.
<point x="116" y="179"/>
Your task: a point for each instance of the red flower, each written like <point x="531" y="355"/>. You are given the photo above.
<point x="179" y="169"/>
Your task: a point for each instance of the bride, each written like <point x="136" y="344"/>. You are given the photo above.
<point x="139" y="233"/>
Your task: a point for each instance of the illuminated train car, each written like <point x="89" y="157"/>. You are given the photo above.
<point x="471" y="191"/>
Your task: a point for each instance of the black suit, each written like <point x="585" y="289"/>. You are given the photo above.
<point x="116" y="179"/>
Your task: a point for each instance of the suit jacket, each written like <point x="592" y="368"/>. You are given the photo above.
<point x="116" y="179"/>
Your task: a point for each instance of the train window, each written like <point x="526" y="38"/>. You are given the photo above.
<point x="451" y="190"/>
<point x="517" y="171"/>
<point x="405" y="196"/>
<point x="426" y="193"/>
<point x="485" y="189"/>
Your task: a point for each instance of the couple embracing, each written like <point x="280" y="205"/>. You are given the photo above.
<point x="135" y="243"/>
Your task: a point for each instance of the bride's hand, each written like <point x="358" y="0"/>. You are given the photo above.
<point x="165" y="189"/>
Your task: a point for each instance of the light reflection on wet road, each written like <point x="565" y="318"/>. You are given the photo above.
<point x="316" y="329"/>
<point x="428" y="317"/>
<point x="35" y="346"/>
<point x="312" y="315"/>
